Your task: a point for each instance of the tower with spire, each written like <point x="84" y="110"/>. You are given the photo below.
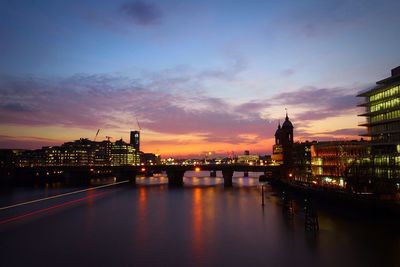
<point x="283" y="148"/>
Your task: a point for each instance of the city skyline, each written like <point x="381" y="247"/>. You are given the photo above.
<point x="196" y="76"/>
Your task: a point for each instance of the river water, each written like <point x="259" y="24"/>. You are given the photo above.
<point x="201" y="224"/>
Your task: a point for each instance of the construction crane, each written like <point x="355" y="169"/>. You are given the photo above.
<point x="137" y="121"/>
<point x="96" y="135"/>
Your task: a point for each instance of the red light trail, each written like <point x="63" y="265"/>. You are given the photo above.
<point x="19" y="217"/>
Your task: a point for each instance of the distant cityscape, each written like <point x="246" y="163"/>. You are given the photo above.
<point x="363" y="166"/>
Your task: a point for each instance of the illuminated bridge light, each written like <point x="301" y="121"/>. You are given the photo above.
<point x="143" y="169"/>
<point x="197" y="169"/>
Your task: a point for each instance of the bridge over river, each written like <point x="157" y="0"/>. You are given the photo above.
<point x="175" y="173"/>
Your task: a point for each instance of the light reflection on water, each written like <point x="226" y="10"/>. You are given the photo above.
<point x="201" y="224"/>
<point x="202" y="178"/>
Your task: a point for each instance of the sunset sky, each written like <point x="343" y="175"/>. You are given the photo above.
<point x="198" y="75"/>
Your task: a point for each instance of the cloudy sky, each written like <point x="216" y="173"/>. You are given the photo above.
<point x="198" y="75"/>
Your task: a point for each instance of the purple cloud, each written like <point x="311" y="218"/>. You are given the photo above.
<point x="15" y="107"/>
<point x="288" y="72"/>
<point x="142" y="13"/>
<point x="103" y="101"/>
<point x="114" y="102"/>
<point x="345" y="131"/>
<point x="26" y="142"/>
<point x="321" y="103"/>
<point x="252" y="106"/>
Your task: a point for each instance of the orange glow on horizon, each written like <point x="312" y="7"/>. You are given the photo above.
<point x="192" y="145"/>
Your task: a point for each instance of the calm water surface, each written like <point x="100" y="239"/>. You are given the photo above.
<point x="201" y="224"/>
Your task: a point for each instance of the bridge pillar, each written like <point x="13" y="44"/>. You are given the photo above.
<point x="125" y="174"/>
<point x="227" y="174"/>
<point x="246" y="174"/>
<point x="149" y="174"/>
<point x="213" y="173"/>
<point x="175" y="177"/>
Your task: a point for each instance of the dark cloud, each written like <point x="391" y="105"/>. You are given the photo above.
<point x="325" y="18"/>
<point x="26" y="142"/>
<point x="15" y="107"/>
<point x="345" y="131"/>
<point x="142" y="13"/>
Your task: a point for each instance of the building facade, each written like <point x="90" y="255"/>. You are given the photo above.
<point x="302" y="170"/>
<point x="331" y="161"/>
<point x="124" y="154"/>
<point x="382" y="122"/>
<point x="282" y="151"/>
<point x="135" y="140"/>
<point x="82" y="152"/>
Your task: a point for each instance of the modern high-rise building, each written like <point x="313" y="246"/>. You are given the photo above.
<point x="135" y="140"/>
<point x="124" y="154"/>
<point x="382" y="113"/>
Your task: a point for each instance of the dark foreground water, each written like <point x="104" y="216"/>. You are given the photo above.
<point x="201" y="224"/>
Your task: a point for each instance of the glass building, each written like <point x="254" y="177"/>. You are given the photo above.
<point x="82" y="152"/>
<point x="135" y="140"/>
<point x="382" y="120"/>
<point x="382" y="112"/>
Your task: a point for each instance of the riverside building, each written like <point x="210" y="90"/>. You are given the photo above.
<point x="82" y="152"/>
<point x="382" y="122"/>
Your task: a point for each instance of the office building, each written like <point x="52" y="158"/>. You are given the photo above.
<point x="382" y="122"/>
<point x="332" y="161"/>
<point x="135" y="140"/>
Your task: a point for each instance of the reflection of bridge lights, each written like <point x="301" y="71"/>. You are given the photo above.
<point x="197" y="169"/>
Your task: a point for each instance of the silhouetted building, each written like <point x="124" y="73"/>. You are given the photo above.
<point x="150" y="159"/>
<point x="283" y="148"/>
<point x="135" y="140"/>
<point x="32" y="158"/>
<point x="10" y="157"/>
<point x="302" y="170"/>
<point x="332" y="160"/>
<point x="102" y="153"/>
